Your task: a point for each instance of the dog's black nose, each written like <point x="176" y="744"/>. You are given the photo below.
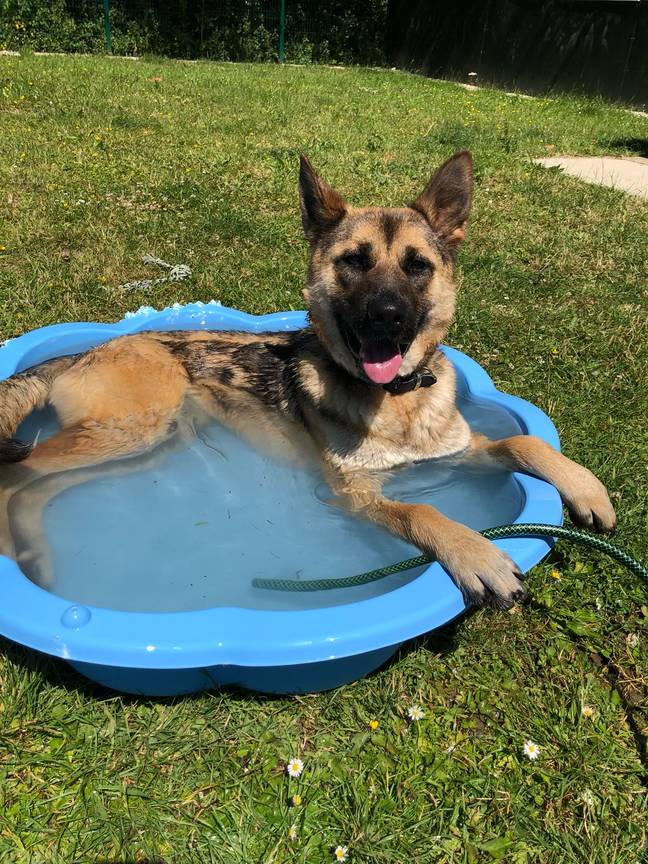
<point x="386" y="312"/>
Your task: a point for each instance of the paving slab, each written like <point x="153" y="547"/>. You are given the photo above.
<point x="629" y="174"/>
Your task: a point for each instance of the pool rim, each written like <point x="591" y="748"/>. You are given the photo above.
<point x="45" y="622"/>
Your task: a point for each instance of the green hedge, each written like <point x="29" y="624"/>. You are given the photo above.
<point x="241" y="30"/>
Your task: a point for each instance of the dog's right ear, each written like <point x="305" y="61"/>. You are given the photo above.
<point x="321" y="206"/>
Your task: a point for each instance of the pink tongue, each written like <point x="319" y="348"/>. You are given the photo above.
<point x="381" y="363"/>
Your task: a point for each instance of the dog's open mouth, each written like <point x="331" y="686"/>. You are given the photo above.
<point x="380" y="358"/>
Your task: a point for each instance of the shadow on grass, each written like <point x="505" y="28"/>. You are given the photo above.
<point x="639" y="146"/>
<point x="128" y="861"/>
<point x="51" y="670"/>
<point x="440" y="642"/>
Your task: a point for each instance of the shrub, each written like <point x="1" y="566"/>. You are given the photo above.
<point x="338" y="31"/>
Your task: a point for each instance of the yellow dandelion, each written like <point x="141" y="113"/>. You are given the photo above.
<point x="296" y="800"/>
<point x="373" y="725"/>
<point x="556" y="575"/>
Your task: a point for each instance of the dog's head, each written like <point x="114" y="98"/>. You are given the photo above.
<point x="380" y="290"/>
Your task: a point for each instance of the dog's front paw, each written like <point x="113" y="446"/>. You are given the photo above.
<point x="484" y="574"/>
<point x="588" y="502"/>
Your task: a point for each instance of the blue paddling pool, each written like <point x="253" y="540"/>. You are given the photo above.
<point x="151" y="587"/>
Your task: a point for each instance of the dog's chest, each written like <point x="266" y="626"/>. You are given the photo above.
<point x="379" y="452"/>
<point x="361" y="429"/>
<point x="406" y="431"/>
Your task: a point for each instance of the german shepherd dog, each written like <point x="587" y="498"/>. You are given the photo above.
<point x="365" y="386"/>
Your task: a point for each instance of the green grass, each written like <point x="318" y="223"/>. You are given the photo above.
<point x="103" y="161"/>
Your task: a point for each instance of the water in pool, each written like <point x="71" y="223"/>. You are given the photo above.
<point x="194" y="527"/>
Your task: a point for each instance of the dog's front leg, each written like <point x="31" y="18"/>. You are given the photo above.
<point x="584" y="496"/>
<point x="483" y="573"/>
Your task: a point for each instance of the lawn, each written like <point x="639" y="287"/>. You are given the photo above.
<point x="103" y="161"/>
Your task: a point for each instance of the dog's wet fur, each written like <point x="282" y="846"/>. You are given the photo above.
<point x="381" y="297"/>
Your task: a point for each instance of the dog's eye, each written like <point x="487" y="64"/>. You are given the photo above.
<point x="415" y="265"/>
<point x="355" y="260"/>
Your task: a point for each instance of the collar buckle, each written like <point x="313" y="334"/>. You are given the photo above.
<point x="413" y="381"/>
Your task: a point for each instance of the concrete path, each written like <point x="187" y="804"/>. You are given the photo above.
<point x="629" y="174"/>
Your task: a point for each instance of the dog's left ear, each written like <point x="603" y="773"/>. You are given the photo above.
<point x="445" y="201"/>
<point x="321" y="206"/>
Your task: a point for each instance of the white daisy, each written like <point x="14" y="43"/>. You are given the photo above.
<point x="341" y="853"/>
<point x="531" y="750"/>
<point x="294" y="767"/>
<point x="415" y="713"/>
<point x="587" y="711"/>
<point x="292" y="832"/>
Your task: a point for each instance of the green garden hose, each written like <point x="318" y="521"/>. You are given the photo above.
<point x="504" y="531"/>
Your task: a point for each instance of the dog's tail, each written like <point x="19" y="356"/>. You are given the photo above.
<point x="19" y="395"/>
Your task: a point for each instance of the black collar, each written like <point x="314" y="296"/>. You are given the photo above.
<point x="405" y="383"/>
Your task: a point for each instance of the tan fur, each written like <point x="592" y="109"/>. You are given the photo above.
<point x="584" y="496"/>
<point x="21" y="394"/>
<point x="363" y="226"/>
<point x="418" y="425"/>
<point x="305" y="395"/>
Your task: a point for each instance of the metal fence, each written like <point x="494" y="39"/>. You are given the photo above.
<point x="344" y="31"/>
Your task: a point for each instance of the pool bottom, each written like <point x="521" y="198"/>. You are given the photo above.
<point x="277" y="680"/>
